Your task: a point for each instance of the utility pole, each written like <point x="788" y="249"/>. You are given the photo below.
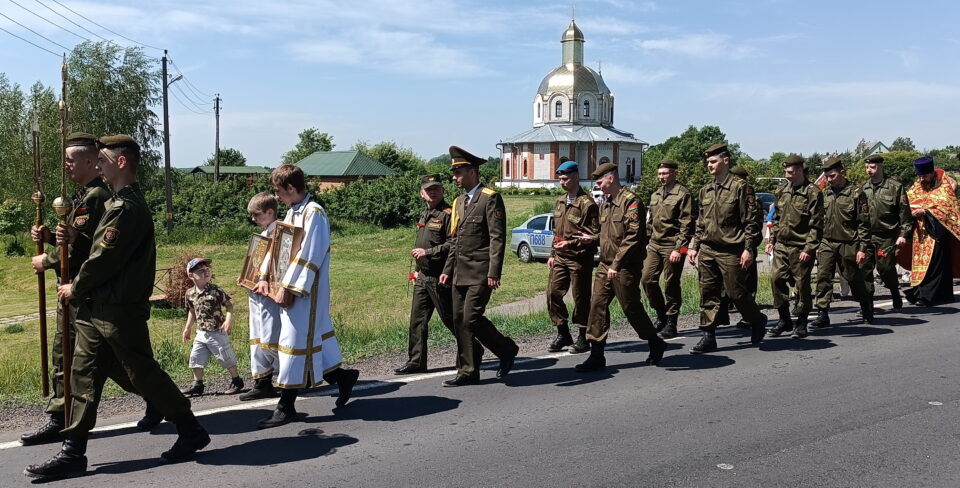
<point x="216" y="167"/>
<point x="166" y="143"/>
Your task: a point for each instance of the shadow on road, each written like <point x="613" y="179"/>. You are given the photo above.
<point x="307" y="444"/>
<point x="689" y="362"/>
<point x="527" y="364"/>
<point x="852" y="331"/>
<point x="566" y="376"/>
<point x="389" y="409"/>
<point x="790" y="344"/>
<point x="891" y="320"/>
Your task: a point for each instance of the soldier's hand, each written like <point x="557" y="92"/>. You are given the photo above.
<point x="861" y="257"/>
<point x="40" y="233"/>
<point x="612" y="274"/>
<point x="901" y="241"/>
<point x="746" y="259"/>
<point x="585" y="239"/>
<point x="768" y="248"/>
<point x="37" y="262"/>
<point x="692" y="257"/>
<point x="66" y="234"/>
<point x="561" y="244"/>
<point x="65" y="292"/>
<point x="262" y="288"/>
<point x="418" y="253"/>
<point x="444" y="278"/>
<point x="550" y="262"/>
<point x="493" y="283"/>
<point x="676" y="257"/>
<point x="804" y="257"/>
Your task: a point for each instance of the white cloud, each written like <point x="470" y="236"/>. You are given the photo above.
<point x="700" y="46"/>
<point x="616" y="74"/>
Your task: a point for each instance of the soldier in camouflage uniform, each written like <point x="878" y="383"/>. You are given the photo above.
<point x="796" y="232"/>
<point x="890" y="223"/>
<point x="846" y="242"/>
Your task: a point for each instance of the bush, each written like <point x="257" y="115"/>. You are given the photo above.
<point x="13" y="328"/>
<point x="386" y="202"/>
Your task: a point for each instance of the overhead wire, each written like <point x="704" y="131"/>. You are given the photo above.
<point x="30" y="42"/>
<point x="200" y="93"/>
<point x="49" y="21"/>
<point x="199" y="106"/>
<point x="35" y="32"/>
<point x="104" y="28"/>
<point x="182" y="103"/>
<point x="71" y="21"/>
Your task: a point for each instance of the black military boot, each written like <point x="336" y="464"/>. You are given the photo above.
<point x="151" y="418"/>
<point x="596" y="361"/>
<point x="345" y="379"/>
<point x="670" y="331"/>
<point x="70" y="461"/>
<point x="191" y="437"/>
<point x="823" y="319"/>
<point x="262" y="388"/>
<point x="50" y="432"/>
<point x="661" y="321"/>
<point x="582" y="345"/>
<point x="785" y="324"/>
<point x="897" y="300"/>
<point x="657" y="348"/>
<point x="708" y="343"/>
<point x="866" y="307"/>
<point x="800" y="328"/>
<point x="562" y="340"/>
<point x="758" y="329"/>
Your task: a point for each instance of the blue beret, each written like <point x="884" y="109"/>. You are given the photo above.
<point x="923" y="166"/>
<point x="567" y="167"/>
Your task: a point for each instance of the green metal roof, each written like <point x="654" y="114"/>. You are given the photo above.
<point x="343" y="164"/>
<point x="234" y="170"/>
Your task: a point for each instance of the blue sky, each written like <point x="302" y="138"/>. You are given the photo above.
<point x="775" y="75"/>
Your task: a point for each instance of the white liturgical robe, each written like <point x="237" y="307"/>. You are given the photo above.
<point x="264" y="326"/>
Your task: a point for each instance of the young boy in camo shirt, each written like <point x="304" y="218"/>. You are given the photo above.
<point x="205" y="304"/>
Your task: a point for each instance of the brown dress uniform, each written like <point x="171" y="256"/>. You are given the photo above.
<point x="477" y="250"/>
<point x="622" y="248"/>
<point x="113" y="287"/>
<point x="888" y="218"/>
<point x="726" y="226"/>
<point x="844" y="235"/>
<point x="797" y="228"/>
<point x="433" y="235"/>
<point x="572" y="265"/>
<point x="671" y="226"/>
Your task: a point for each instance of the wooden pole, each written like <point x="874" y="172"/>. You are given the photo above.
<point x="63" y="206"/>
<point x="38" y="199"/>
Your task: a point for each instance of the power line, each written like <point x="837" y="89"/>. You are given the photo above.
<point x="35" y="32"/>
<point x="191" y="96"/>
<point x="71" y="21"/>
<point x="104" y="28"/>
<point x="30" y="42"/>
<point x="49" y="21"/>
<point x="187" y="97"/>
<point x="200" y="93"/>
<point x="177" y="98"/>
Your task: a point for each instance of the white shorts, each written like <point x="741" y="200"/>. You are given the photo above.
<point x="213" y="343"/>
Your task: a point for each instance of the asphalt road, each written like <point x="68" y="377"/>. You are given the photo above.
<point x="853" y="405"/>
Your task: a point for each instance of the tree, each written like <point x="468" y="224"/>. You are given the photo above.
<point x="311" y="141"/>
<point x="228" y="157"/>
<point x="400" y="159"/>
<point x="903" y="144"/>
<point x="687" y="150"/>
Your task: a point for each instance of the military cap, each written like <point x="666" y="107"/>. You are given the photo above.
<point x="792" y="160"/>
<point x="460" y="157"/>
<point x="603" y="169"/>
<point x="431" y="180"/>
<point x="80" y="139"/>
<point x="197" y="262"/>
<point x="833" y="163"/>
<point x="874" y="159"/>
<point x="715" y="149"/>
<point x="739" y="171"/>
<point x="119" y="140"/>
<point x="568" y="167"/>
<point x="667" y="163"/>
<point x="923" y="166"/>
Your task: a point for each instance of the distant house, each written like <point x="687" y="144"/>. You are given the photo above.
<point x="251" y="173"/>
<point x="332" y="169"/>
<point x="868" y="148"/>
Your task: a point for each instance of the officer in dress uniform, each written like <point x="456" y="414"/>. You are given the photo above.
<point x="478" y="230"/>
<point x="430" y="252"/>
<point x="571" y="261"/>
<point x="670" y="224"/>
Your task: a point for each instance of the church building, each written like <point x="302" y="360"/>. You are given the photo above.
<point x="572" y="120"/>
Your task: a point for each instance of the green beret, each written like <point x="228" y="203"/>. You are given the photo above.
<point x="430" y="180"/>
<point x="119" y="140"/>
<point x="793" y="160"/>
<point x="715" y="149"/>
<point x="833" y="163"/>
<point x="460" y="157"/>
<point x="739" y="171"/>
<point x="874" y="159"/>
<point x="603" y="169"/>
<point x="80" y="139"/>
<point x="668" y="163"/>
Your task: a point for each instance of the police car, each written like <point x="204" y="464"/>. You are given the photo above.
<point x="533" y="239"/>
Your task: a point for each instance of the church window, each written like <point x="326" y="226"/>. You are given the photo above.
<point x="586" y="108"/>
<point x="539" y="112"/>
<point x="524" y="167"/>
<point x="559" y="109"/>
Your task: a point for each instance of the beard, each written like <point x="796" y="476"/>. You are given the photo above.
<point x="927" y="183"/>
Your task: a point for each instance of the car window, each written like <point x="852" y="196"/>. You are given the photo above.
<point x="539" y="223"/>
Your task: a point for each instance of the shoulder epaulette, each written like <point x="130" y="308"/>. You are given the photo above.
<point x="488" y="191"/>
<point x="585" y="198"/>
